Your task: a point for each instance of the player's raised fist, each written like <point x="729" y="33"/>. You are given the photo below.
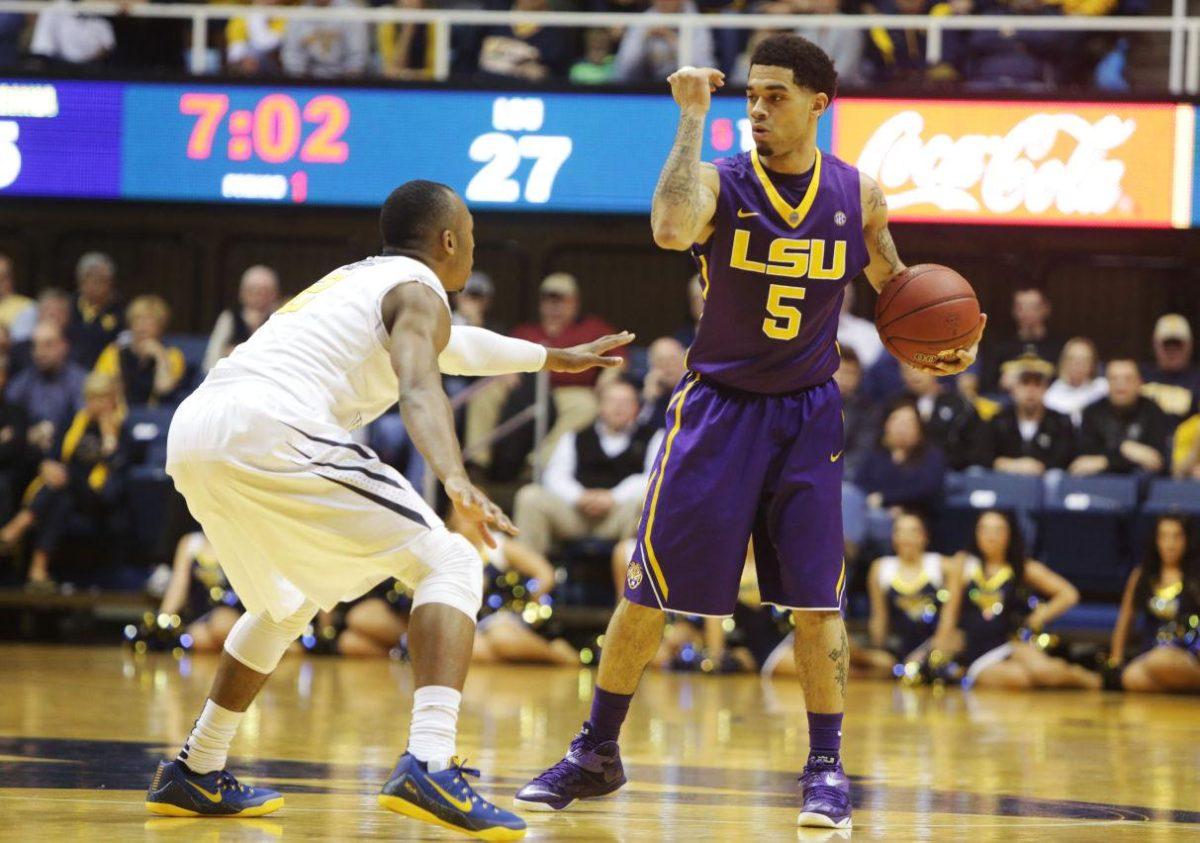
<point x="693" y="87"/>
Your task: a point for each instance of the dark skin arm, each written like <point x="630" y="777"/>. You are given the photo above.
<point x="419" y="325"/>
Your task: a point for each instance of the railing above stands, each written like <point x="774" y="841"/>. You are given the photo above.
<point x="1183" y="71"/>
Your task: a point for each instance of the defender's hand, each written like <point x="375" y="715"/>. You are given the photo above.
<point x="590" y="355"/>
<point x="474" y="505"/>
<point x="692" y="87"/>
<point x="955" y="360"/>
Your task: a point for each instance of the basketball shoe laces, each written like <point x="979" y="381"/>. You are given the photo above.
<point x="824" y="792"/>
<point x="227" y="783"/>
<point x="460" y="768"/>
<point x="566" y="773"/>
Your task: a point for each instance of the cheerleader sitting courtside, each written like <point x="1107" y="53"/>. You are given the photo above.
<point x="516" y="587"/>
<point x="199" y="595"/>
<point x="907" y="592"/>
<point x="992" y="589"/>
<point x="1162" y="598"/>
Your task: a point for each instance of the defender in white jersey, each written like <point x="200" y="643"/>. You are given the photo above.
<point x="302" y="517"/>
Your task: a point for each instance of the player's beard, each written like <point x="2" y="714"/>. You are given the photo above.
<point x="764" y="151"/>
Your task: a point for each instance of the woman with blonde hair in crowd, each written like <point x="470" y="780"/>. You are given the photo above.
<point x="149" y="370"/>
<point x="86" y="480"/>
<point x="1078" y="384"/>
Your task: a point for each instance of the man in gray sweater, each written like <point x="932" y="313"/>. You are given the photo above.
<point x="326" y="49"/>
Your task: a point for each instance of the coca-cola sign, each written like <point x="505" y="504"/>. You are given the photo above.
<point x="1007" y="162"/>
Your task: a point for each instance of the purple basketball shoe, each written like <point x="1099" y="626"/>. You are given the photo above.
<point x="826" y="797"/>
<point x="589" y="770"/>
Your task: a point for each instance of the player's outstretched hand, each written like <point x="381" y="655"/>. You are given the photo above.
<point x="955" y="360"/>
<point x="474" y="505"/>
<point x="590" y="355"/>
<point x="693" y="87"/>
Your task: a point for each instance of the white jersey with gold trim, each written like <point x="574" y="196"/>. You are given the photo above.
<point x="326" y="351"/>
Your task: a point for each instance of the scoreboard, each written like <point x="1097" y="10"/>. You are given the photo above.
<point x="970" y="161"/>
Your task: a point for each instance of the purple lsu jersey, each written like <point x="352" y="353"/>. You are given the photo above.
<point x="783" y="248"/>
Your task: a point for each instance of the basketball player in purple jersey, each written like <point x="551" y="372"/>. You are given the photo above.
<point x="754" y="430"/>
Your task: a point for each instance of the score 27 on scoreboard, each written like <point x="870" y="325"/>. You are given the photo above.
<point x="969" y="161"/>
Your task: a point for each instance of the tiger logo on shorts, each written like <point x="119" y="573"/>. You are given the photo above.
<point x="634" y="575"/>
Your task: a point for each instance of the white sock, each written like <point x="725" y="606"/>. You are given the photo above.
<point x="207" y="746"/>
<point x="431" y="736"/>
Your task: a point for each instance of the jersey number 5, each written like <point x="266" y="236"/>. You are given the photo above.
<point x="784" y="321"/>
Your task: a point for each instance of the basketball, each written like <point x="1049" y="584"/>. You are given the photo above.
<point x="926" y="309"/>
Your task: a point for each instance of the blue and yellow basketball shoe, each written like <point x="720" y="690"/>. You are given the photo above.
<point x="178" y="792"/>
<point x="446" y="799"/>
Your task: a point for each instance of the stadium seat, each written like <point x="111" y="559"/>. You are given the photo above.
<point x="1166" y="496"/>
<point x="147" y="495"/>
<point x="148" y="429"/>
<point x="1089" y="617"/>
<point x="587" y="563"/>
<point x="638" y="362"/>
<point x="1086" y="530"/>
<point x="968" y="493"/>
<point x="193" y="347"/>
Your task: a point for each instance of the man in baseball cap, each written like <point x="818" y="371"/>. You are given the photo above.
<point x="1171" y="380"/>
<point x="1025" y="437"/>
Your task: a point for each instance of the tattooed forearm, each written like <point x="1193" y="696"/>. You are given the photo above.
<point x="677" y="202"/>
<point x="840" y="656"/>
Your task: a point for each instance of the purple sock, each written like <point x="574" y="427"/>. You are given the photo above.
<point x="824" y="738"/>
<point x="608" y="713"/>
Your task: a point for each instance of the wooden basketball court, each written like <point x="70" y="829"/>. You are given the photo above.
<point x="710" y="758"/>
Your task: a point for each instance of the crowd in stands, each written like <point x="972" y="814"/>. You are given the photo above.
<point x="82" y="376"/>
<point x="259" y="43"/>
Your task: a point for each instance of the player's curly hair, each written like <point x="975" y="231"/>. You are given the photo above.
<point x="811" y="67"/>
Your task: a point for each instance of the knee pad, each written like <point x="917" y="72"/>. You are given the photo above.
<point x="454" y="574"/>
<point x="259" y="642"/>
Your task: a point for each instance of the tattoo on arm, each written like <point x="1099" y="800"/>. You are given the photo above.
<point x="875" y="200"/>
<point x="677" y="193"/>
<point x="840" y="656"/>
<point x="886" y="248"/>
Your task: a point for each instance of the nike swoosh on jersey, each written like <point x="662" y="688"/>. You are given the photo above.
<point x="743" y="214"/>
<point x="462" y="805"/>
<point x="836" y="457"/>
<point x="215" y="798"/>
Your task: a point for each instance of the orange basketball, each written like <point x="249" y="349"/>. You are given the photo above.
<point x="926" y="309"/>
